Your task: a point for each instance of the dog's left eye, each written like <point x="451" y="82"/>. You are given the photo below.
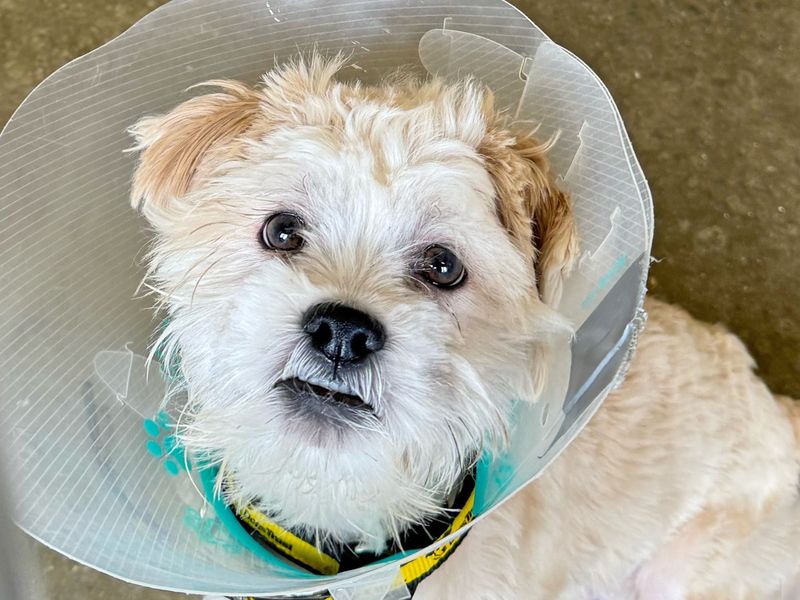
<point x="281" y="231"/>
<point x="441" y="267"/>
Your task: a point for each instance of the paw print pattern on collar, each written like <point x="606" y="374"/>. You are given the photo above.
<point x="163" y="445"/>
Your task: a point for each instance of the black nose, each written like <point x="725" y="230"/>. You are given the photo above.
<point x="342" y="333"/>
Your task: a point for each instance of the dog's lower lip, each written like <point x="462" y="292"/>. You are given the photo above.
<point x="299" y="385"/>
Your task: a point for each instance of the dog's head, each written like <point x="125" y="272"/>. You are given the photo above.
<point x="359" y="281"/>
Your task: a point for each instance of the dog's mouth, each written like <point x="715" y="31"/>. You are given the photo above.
<point x="306" y="389"/>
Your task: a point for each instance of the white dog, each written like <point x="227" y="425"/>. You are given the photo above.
<point x="358" y="280"/>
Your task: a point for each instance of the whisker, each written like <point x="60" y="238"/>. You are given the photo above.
<point x="205" y="272"/>
<point x="211" y="224"/>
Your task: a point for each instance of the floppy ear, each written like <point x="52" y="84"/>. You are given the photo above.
<point x="174" y="147"/>
<point x="537" y="215"/>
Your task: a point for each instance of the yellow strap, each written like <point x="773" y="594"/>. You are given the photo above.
<point x="288" y="543"/>
<point x="309" y="555"/>
<point x="423" y="565"/>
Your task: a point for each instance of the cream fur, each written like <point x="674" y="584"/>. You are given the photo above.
<point x="683" y="486"/>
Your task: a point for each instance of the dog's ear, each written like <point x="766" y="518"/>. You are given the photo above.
<point x="174" y="147"/>
<point x="537" y="215"/>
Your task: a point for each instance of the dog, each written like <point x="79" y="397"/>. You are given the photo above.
<point x="359" y="277"/>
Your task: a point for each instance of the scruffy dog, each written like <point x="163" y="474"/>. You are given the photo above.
<point x="359" y="279"/>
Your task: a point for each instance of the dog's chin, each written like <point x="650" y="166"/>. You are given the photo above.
<point x="324" y="461"/>
<point x="334" y="474"/>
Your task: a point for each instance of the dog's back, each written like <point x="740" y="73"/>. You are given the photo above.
<point x="683" y="486"/>
<point x="737" y="533"/>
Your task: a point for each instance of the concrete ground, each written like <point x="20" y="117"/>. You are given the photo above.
<point x="710" y="92"/>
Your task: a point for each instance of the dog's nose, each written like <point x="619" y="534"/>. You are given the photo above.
<point x="342" y="333"/>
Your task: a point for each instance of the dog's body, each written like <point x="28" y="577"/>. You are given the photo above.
<point x="360" y="279"/>
<point x="684" y="486"/>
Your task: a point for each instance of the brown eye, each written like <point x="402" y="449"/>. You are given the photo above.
<point x="281" y="231"/>
<point x="441" y="267"/>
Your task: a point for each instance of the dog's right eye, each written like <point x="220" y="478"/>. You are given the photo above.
<point x="441" y="267"/>
<point x="281" y="231"/>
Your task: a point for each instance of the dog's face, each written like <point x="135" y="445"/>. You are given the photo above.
<point x="351" y="277"/>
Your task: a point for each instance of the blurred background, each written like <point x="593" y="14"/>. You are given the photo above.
<point x="710" y="93"/>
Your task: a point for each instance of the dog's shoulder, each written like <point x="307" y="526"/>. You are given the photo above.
<point x="676" y="345"/>
<point x="693" y="399"/>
